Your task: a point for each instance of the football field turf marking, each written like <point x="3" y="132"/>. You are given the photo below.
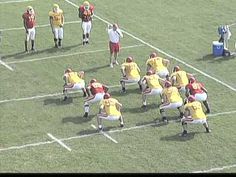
<point x="215" y="169"/>
<point x="59" y="141"/>
<point x="94" y="134"/>
<point x="71" y="54"/>
<point x="6" y="65"/>
<point x="7" y="2"/>
<point x="105" y="134"/>
<point x="163" y="52"/>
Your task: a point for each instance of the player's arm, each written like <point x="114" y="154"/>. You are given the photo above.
<point x="123" y="71"/>
<point x="88" y="90"/>
<point x="187" y="93"/>
<point x="119" y="33"/>
<point x="148" y="66"/>
<point x="186" y="112"/>
<point x="105" y="88"/>
<point x="80" y="13"/>
<point x="118" y="105"/>
<point x="24" y="23"/>
<point x="51" y="23"/>
<point x="62" y="20"/>
<point x="203" y="88"/>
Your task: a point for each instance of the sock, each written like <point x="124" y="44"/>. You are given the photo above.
<point x="59" y="42"/>
<point x="32" y="44"/>
<point x="26" y="46"/>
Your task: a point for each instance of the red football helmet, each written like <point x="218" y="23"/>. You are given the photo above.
<point x="167" y="84"/>
<point x="106" y="96"/>
<point x="153" y="55"/>
<point x="191" y="98"/>
<point x="176" y="68"/>
<point x="93" y="80"/>
<point x="129" y="59"/>
<point x="192" y="80"/>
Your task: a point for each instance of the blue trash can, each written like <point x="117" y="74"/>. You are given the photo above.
<point x="218" y="48"/>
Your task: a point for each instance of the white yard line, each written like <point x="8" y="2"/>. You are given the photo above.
<point x="105" y="134"/>
<point x="163" y="52"/>
<point x="67" y="55"/>
<point x="59" y="141"/>
<point x="7" y="2"/>
<point x="215" y="169"/>
<point x="93" y="134"/>
<point x="6" y="65"/>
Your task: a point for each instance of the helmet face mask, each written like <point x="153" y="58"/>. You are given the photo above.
<point x="55" y="7"/>
<point x="86" y="5"/>
<point x="30" y="10"/>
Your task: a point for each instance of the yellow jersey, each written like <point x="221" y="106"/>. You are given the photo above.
<point x="56" y="18"/>
<point x="181" y="78"/>
<point x="195" y="109"/>
<point x="73" y="78"/>
<point x="131" y="69"/>
<point x="153" y="81"/>
<point x="156" y="64"/>
<point x="172" y="95"/>
<point x="110" y="107"/>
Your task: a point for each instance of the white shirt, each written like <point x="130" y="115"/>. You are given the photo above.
<point x="114" y="36"/>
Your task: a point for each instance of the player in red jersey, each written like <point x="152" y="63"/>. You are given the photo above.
<point x="198" y="90"/>
<point x="97" y="91"/>
<point x="29" y="21"/>
<point x="86" y="14"/>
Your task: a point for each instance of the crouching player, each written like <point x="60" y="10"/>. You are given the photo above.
<point x="130" y="72"/>
<point x="109" y="110"/>
<point x="150" y="86"/>
<point x="172" y="100"/>
<point x="73" y="81"/>
<point x="97" y="91"/>
<point x="193" y="114"/>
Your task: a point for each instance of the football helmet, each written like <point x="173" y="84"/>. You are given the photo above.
<point x="106" y="96"/>
<point x="149" y="72"/>
<point x="176" y="68"/>
<point x="153" y="55"/>
<point x="129" y="59"/>
<point x="192" y="80"/>
<point x="167" y="84"/>
<point x="191" y="98"/>
<point x="93" y="80"/>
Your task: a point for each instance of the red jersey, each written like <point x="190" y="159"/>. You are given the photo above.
<point x="86" y="15"/>
<point x="29" y="20"/>
<point x="96" y="88"/>
<point x="195" y="87"/>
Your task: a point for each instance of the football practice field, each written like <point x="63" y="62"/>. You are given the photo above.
<point x="41" y="133"/>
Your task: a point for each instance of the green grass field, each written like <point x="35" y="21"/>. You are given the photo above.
<point x="31" y="101"/>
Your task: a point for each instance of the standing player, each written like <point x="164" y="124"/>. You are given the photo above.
<point x="158" y="65"/>
<point x="130" y="72"/>
<point x="152" y="85"/>
<point x="193" y="114"/>
<point x="114" y="34"/>
<point x="172" y="100"/>
<point x="97" y="90"/>
<point x="73" y="81"/>
<point x="109" y="110"/>
<point x="29" y="21"/>
<point x="56" y="19"/>
<point x="86" y="14"/>
<point x="198" y="90"/>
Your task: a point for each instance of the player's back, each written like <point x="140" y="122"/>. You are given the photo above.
<point x="74" y="78"/>
<point x="196" y="110"/>
<point x="195" y="88"/>
<point x="96" y="87"/>
<point x="156" y="63"/>
<point x="110" y="107"/>
<point x="153" y="81"/>
<point x="172" y="95"/>
<point x="131" y="69"/>
<point x="181" y="78"/>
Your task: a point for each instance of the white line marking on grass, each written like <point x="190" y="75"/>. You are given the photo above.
<point x="105" y="134"/>
<point x="215" y="169"/>
<point x="6" y="2"/>
<point x="59" y="141"/>
<point x="67" y="55"/>
<point x="93" y="134"/>
<point x="6" y="65"/>
<point x="161" y="51"/>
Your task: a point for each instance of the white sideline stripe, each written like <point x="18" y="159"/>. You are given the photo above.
<point x="6" y="65"/>
<point x="6" y="2"/>
<point x="215" y="169"/>
<point x="105" y="134"/>
<point x="38" y="26"/>
<point x="71" y="54"/>
<point x="161" y="51"/>
<point x="93" y="134"/>
<point x="59" y="141"/>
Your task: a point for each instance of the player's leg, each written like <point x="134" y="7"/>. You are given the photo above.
<point x="32" y="38"/>
<point x="116" y="53"/>
<point x="91" y="100"/>
<point x="56" y="37"/>
<point x="206" y="104"/>
<point x="27" y="38"/>
<point x="203" y="97"/>
<point x="65" y="90"/>
<point x="205" y="124"/>
<point x="99" y="120"/>
<point x="111" y="53"/>
<point x="184" y="126"/>
<point x="89" y="27"/>
<point x="60" y="37"/>
<point x="121" y="119"/>
<point x="122" y="83"/>
<point x="84" y="26"/>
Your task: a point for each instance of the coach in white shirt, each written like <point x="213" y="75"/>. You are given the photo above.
<point x="114" y="36"/>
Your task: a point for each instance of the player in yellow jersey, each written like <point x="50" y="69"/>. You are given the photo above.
<point x="109" y="110"/>
<point x="172" y="100"/>
<point x="193" y="114"/>
<point x="56" y="19"/>
<point x="150" y="86"/>
<point x="130" y="72"/>
<point x="180" y="79"/>
<point x="73" y="81"/>
<point x="158" y="64"/>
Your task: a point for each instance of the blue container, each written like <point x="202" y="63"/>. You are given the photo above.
<point x="218" y="48"/>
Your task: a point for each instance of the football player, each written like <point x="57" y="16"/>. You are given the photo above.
<point x="198" y="90"/>
<point x="130" y="72"/>
<point x="86" y="13"/>
<point x="158" y="65"/>
<point x="73" y="81"/>
<point x="29" y="21"/>
<point x="109" y="110"/>
<point x="172" y="100"/>
<point x="150" y="86"/>
<point x="95" y="92"/>
<point x="193" y="114"/>
<point x="56" y="19"/>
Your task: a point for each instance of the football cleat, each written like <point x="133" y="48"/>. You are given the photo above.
<point x="86" y="115"/>
<point x="184" y="134"/>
